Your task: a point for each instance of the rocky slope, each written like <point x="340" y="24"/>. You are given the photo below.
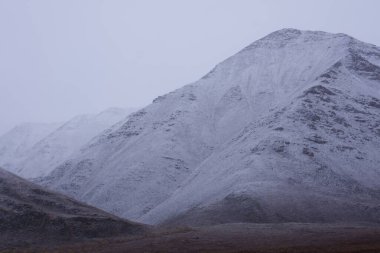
<point x="30" y="215"/>
<point x="288" y="129"/>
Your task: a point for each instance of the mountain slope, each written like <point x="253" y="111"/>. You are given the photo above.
<point x="55" y="148"/>
<point x="315" y="160"/>
<point x="30" y="215"/>
<point x="19" y="139"/>
<point x="288" y="123"/>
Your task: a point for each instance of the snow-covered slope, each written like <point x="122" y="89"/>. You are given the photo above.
<point x="14" y="143"/>
<point x="287" y="129"/>
<point x="67" y="139"/>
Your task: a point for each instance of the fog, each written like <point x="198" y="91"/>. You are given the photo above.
<point x="63" y="58"/>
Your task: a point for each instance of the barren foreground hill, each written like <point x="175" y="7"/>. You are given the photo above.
<point x="30" y="215"/>
<point x="240" y="237"/>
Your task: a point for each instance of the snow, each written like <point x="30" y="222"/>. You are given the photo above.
<point x="21" y="138"/>
<point x="194" y="148"/>
<point x="55" y="146"/>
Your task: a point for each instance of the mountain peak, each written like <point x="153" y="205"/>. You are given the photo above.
<point x="267" y="129"/>
<point x="283" y="36"/>
<point x="286" y="32"/>
<point x="291" y="32"/>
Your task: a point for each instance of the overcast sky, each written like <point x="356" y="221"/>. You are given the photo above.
<point x="60" y="58"/>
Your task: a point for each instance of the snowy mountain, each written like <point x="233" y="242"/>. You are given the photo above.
<point x="288" y="129"/>
<point x="14" y="143"/>
<point x="65" y="140"/>
<point x="30" y="214"/>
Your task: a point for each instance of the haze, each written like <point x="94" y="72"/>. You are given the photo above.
<point x="63" y="58"/>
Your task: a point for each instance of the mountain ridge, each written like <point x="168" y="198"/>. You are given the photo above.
<point x="325" y="84"/>
<point x="55" y="146"/>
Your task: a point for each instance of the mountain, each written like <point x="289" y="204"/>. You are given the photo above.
<point x="19" y="139"/>
<point x="31" y="215"/>
<point x="288" y="129"/>
<point x="65" y="140"/>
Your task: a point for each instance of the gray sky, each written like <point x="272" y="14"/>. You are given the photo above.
<point x="59" y="58"/>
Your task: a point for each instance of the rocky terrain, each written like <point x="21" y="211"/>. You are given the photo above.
<point x="30" y="216"/>
<point x="286" y="130"/>
<point x="275" y="150"/>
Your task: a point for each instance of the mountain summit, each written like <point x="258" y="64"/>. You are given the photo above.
<point x="288" y="129"/>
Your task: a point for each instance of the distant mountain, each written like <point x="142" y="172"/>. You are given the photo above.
<point x="30" y="215"/>
<point x="288" y="129"/>
<point x="14" y="143"/>
<point x="57" y="146"/>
